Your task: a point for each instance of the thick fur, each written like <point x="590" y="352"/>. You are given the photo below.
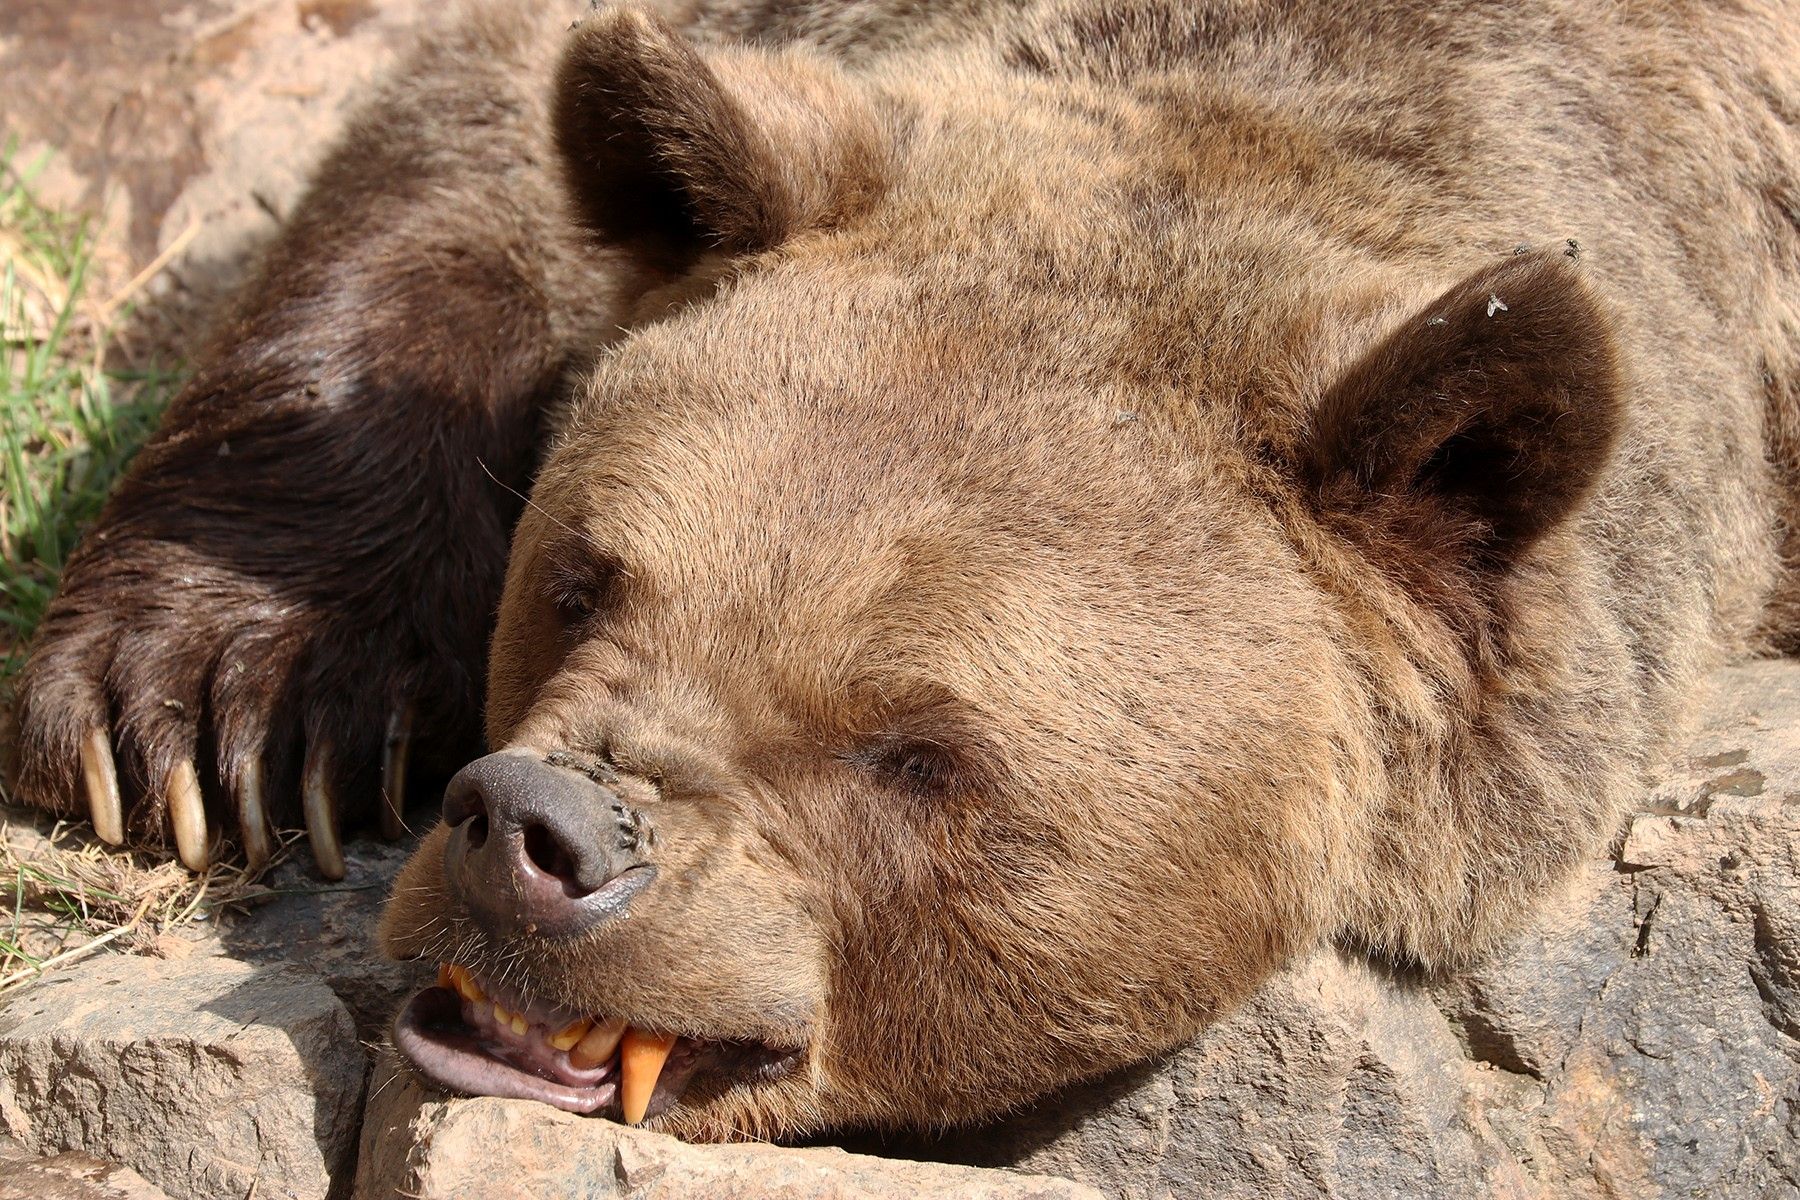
<point x="1097" y="498"/>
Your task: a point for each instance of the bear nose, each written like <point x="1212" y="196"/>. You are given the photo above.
<point x="540" y="846"/>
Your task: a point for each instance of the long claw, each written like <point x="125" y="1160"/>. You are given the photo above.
<point x="253" y="814"/>
<point x="395" y="752"/>
<point x="187" y="814"/>
<point x="102" y="780"/>
<point x="321" y="814"/>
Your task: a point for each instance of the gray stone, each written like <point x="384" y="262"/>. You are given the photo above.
<point x="330" y="928"/>
<point x="1333" y="1081"/>
<point x="206" y="1075"/>
<point x="421" y="1145"/>
<point x="1523" y="1010"/>
<point x="1637" y="1039"/>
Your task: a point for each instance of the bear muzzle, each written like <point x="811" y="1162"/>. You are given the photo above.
<point x="542" y="845"/>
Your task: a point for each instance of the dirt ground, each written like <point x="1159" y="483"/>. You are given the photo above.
<point x="181" y="131"/>
<point x="184" y="128"/>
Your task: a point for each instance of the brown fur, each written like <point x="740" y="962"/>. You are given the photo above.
<point x="1097" y="498"/>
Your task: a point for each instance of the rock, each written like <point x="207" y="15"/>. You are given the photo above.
<point x="191" y="110"/>
<point x="330" y="928"/>
<point x="1638" y="1039"/>
<point x="1333" y="1081"/>
<point x="185" y="129"/>
<point x="417" y="1143"/>
<point x="72" y="1176"/>
<point x="208" y="1076"/>
<point x="1523" y="1010"/>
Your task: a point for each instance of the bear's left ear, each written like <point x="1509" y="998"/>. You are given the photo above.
<point x="734" y="149"/>
<point x="1473" y="429"/>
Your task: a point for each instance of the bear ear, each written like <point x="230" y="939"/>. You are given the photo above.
<point x="739" y="149"/>
<point x="1473" y="429"/>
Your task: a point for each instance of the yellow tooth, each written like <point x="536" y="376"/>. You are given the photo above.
<point x="641" y="1058"/>
<point x="566" y="1037"/>
<point x="446" y="977"/>
<point x="502" y="1016"/>
<point x="466" y="986"/>
<point x="597" y="1044"/>
<point x="520" y="1025"/>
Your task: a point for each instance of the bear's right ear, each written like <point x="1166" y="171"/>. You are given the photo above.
<point x="738" y="150"/>
<point x="1474" y="429"/>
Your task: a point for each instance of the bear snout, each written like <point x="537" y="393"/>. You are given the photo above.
<point x="540" y="845"/>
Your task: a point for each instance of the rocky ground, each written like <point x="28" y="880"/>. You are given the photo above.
<point x="1641" y="1039"/>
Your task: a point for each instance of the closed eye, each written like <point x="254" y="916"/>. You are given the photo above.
<point x="915" y="766"/>
<point x="581" y="586"/>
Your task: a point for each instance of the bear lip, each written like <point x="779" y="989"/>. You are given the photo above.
<point x="433" y="1034"/>
<point x="459" y="1044"/>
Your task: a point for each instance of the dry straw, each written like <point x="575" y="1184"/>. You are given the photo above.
<point x="69" y="896"/>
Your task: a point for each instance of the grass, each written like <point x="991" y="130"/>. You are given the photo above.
<point x="72" y="417"/>
<point x="69" y="421"/>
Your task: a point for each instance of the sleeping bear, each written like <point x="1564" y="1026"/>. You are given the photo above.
<point x="991" y="526"/>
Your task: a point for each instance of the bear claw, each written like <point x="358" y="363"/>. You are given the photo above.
<point x="187" y="815"/>
<point x="322" y="814"/>
<point x="102" y="781"/>
<point x="395" y="751"/>
<point x="253" y="815"/>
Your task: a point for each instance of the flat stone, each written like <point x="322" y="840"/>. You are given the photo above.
<point x="1524" y="1009"/>
<point x="417" y="1143"/>
<point x="72" y="1175"/>
<point x="185" y="128"/>
<point x="329" y="928"/>
<point x="207" y="1076"/>
<point x="1334" y="1081"/>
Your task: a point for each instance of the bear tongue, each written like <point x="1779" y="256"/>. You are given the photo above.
<point x="531" y="1048"/>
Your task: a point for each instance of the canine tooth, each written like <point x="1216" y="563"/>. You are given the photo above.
<point x="102" y="780"/>
<point x="641" y="1058"/>
<point x="597" y="1044"/>
<point x="187" y="814"/>
<point x="566" y="1037"/>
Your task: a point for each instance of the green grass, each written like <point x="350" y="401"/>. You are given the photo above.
<point x="69" y="422"/>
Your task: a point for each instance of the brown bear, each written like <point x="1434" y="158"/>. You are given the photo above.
<point x="1038" y="513"/>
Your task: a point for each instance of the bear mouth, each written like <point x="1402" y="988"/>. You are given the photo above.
<point x="469" y="1034"/>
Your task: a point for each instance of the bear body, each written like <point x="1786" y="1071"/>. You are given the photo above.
<point x="1038" y="513"/>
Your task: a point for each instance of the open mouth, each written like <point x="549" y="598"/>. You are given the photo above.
<point x="471" y="1035"/>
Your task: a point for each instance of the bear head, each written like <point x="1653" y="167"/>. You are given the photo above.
<point x="953" y="646"/>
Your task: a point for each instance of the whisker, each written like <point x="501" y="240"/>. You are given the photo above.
<point x="539" y="509"/>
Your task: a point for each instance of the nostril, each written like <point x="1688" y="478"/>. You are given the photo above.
<point x="548" y="854"/>
<point x="478" y="832"/>
<point x="464" y="797"/>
